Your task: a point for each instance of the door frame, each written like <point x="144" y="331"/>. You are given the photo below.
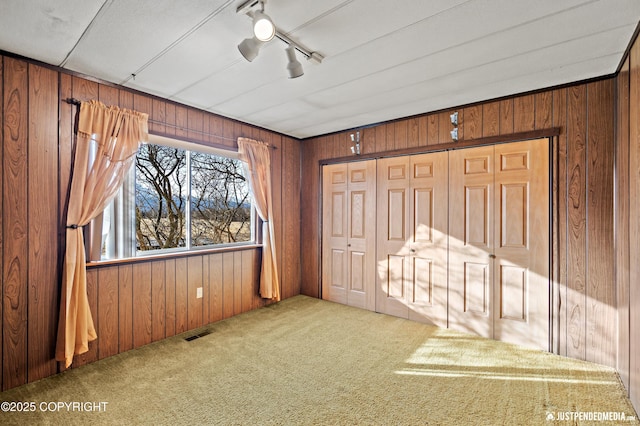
<point x="555" y="273"/>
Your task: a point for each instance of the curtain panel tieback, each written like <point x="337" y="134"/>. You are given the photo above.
<point x="115" y="134"/>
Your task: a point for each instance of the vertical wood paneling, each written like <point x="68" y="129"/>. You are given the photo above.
<point x="490" y="119"/>
<point x="401" y="131"/>
<point x="576" y="217"/>
<point x="194" y="281"/>
<point x="43" y="221"/>
<point x="445" y="127"/>
<point x="237" y="282"/>
<point x="621" y="203"/>
<point x="246" y="287"/>
<point x="181" y="296"/>
<point x="433" y="129"/>
<point x="195" y="119"/>
<point x="170" y="122"/>
<point x="291" y="218"/>
<point x="524" y="118"/>
<point x="14" y="223"/>
<point x="108" y="95"/>
<point x="216" y="131"/>
<point x="126" y="99"/>
<point x="107" y="312"/>
<point x="142" y="103"/>
<point x="544" y="110"/>
<point x="158" y="300"/>
<point x="413" y="132"/>
<point x="227" y="285"/>
<point x="634" y="227"/>
<point x="142" y="300"/>
<point x="506" y="116"/>
<point x="215" y="287"/>
<point x="205" y="290"/>
<point x="423" y="130"/>
<point x="309" y="226"/>
<point x="390" y="129"/>
<point x="367" y="142"/>
<point x="170" y="296"/>
<point x="473" y="122"/>
<point x="381" y="138"/>
<point x="560" y="120"/>
<point x="125" y="308"/>
<point x="1" y="215"/>
<point x="182" y="122"/>
<point x="600" y="309"/>
<point x="65" y="145"/>
<point x="335" y="144"/>
<point x="157" y="118"/>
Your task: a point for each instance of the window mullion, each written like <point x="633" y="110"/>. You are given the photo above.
<point x="187" y="210"/>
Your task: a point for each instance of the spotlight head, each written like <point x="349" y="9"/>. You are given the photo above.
<point x="454" y="134"/>
<point x="454" y="118"/>
<point x="263" y="28"/>
<point x="294" y="67"/>
<point x="250" y="47"/>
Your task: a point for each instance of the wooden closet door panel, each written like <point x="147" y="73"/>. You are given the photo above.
<point x="471" y="240"/>
<point x="335" y="233"/>
<point x="393" y="269"/>
<point x="361" y="242"/>
<point x="521" y="231"/>
<point x="428" y="242"/>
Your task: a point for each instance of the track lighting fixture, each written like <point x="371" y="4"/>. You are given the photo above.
<point x="250" y="47"/>
<point x="263" y="27"/>
<point x="294" y="67"/>
<point x="265" y="30"/>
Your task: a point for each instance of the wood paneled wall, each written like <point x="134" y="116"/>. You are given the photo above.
<point x="583" y="245"/>
<point x="132" y="304"/>
<point x="627" y="231"/>
<point x="136" y="304"/>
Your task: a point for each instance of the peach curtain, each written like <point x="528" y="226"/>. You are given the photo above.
<point x="116" y="134"/>
<point x="257" y="158"/>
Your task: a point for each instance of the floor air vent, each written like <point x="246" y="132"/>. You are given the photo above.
<point x="196" y="336"/>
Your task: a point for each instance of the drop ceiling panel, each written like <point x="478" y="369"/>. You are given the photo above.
<point x="426" y="37"/>
<point x="211" y="48"/>
<point x="426" y="72"/>
<point x="44" y="29"/>
<point x="383" y="59"/>
<point x="134" y="33"/>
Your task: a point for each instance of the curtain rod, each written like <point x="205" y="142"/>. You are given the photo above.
<point x="74" y="101"/>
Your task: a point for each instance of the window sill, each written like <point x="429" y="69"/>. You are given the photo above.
<point x="174" y="255"/>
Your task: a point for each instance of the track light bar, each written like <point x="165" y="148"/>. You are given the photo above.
<point x="251" y="46"/>
<point x="314" y="57"/>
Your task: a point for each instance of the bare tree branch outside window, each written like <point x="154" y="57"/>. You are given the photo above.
<point x="219" y="200"/>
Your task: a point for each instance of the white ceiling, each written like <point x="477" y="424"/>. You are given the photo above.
<point x="384" y="59"/>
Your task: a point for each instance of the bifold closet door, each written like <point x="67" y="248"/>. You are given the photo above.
<point x="349" y="234"/>
<point x="499" y="242"/>
<point x="412" y="237"/>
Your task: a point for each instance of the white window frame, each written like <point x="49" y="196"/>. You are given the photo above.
<point x="121" y="243"/>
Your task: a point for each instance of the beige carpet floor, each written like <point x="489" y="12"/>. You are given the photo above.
<point x="311" y="362"/>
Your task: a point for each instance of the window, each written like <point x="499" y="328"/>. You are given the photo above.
<point x="178" y="197"/>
